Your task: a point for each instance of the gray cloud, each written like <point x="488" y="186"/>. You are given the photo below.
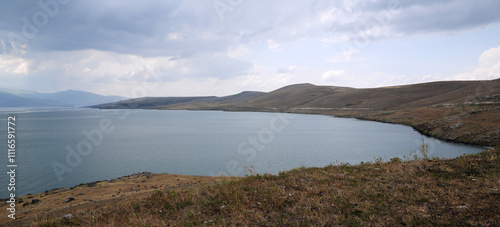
<point x="190" y="35"/>
<point x="143" y="27"/>
<point x="447" y="16"/>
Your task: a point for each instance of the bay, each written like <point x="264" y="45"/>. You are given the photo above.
<point x="59" y="147"/>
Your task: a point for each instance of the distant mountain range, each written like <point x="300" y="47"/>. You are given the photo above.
<point x="69" y="98"/>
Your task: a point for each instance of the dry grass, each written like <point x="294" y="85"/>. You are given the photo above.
<point x="96" y="195"/>
<point x="461" y="191"/>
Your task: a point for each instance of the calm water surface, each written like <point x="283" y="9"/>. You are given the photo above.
<point x="66" y="147"/>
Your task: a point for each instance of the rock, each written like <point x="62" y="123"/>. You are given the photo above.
<point x="26" y="204"/>
<point x="68" y="216"/>
<point x="35" y="201"/>
<point x="69" y="200"/>
<point x="21" y="200"/>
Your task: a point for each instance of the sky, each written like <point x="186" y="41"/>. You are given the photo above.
<point x="222" y="47"/>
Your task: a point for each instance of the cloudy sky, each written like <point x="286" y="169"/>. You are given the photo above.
<point x="222" y="47"/>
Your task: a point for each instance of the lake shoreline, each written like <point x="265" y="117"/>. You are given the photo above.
<point x="462" y="191"/>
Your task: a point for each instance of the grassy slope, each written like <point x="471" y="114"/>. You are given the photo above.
<point x="461" y="191"/>
<point x="96" y="194"/>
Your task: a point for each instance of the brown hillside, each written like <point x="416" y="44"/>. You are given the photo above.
<point x="436" y="109"/>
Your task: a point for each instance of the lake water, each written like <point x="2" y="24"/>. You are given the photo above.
<point x="66" y="147"/>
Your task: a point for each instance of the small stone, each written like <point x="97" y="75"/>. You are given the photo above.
<point x="35" y="201"/>
<point x="68" y="216"/>
<point x="69" y="200"/>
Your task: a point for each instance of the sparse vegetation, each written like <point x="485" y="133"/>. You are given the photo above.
<point x="456" y="192"/>
<point x="423" y="150"/>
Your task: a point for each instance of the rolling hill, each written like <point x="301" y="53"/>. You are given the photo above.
<point x="180" y="102"/>
<point x="462" y="111"/>
<point x="308" y="96"/>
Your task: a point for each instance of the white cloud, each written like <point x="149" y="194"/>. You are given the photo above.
<point x="488" y="68"/>
<point x="13" y="65"/>
<point x="273" y="45"/>
<point x="333" y="75"/>
<point x="490" y="58"/>
<point x="237" y="51"/>
<point x="113" y="73"/>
